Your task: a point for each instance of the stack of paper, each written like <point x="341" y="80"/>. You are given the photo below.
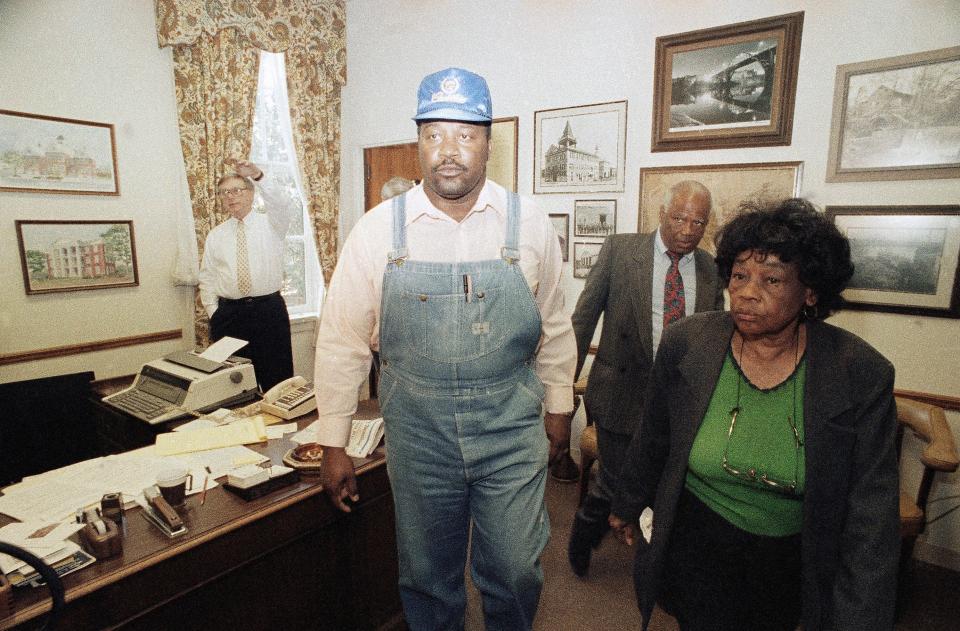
<point x="364" y="437"/>
<point x="243" y="432"/>
<point x="47" y="540"/>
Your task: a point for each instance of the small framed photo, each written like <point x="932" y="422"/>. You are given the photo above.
<point x="46" y="154"/>
<point x="580" y="149"/>
<point x="502" y="164"/>
<point x="59" y="255"/>
<point x="905" y="258"/>
<point x="594" y="217"/>
<point x="584" y="256"/>
<point x="896" y="118"/>
<point x="730" y="185"/>
<point x="561" y="223"/>
<point x="729" y="86"/>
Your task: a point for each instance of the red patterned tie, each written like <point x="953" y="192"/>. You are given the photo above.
<point x="674" y="304"/>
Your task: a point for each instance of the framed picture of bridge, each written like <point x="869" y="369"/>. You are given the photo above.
<point x="896" y="118"/>
<point x="728" y="86"/>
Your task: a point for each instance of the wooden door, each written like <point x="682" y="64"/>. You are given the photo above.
<point x="382" y="163"/>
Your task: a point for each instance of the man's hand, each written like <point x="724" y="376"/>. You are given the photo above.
<point x="626" y="532"/>
<point x="558" y="433"/>
<point x="337" y="477"/>
<point x="244" y="168"/>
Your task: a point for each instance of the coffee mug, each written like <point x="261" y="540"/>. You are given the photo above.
<point x="174" y="484"/>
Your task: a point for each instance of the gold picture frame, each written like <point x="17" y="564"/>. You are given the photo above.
<point x="728" y="86"/>
<point x="730" y="186"/>
<point x="502" y="163"/>
<point x="49" y="154"/>
<point x="896" y="118"/>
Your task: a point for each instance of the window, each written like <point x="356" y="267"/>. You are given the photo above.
<point x="273" y="150"/>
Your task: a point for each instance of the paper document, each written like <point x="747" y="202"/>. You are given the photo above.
<point x="364" y="437"/>
<point x="223" y="348"/>
<point x="242" y="432"/>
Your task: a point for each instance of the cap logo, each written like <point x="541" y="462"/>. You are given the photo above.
<point x="449" y="92"/>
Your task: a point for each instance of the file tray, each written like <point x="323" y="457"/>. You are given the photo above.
<point x="269" y="486"/>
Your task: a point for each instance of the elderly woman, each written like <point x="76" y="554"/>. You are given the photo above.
<point x="767" y="448"/>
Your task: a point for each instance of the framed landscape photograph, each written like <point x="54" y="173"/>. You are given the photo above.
<point x="897" y="118"/>
<point x="905" y="258"/>
<point x="584" y="256"/>
<point x="594" y="217"/>
<point x="730" y="186"/>
<point x="580" y="149"/>
<point x="46" y="154"/>
<point x="60" y="255"/>
<point x="729" y="86"/>
<point x="561" y="223"/>
<point x="502" y="164"/>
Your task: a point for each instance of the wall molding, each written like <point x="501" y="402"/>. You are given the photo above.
<point x="89" y="347"/>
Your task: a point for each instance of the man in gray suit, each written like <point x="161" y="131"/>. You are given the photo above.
<point x="640" y="283"/>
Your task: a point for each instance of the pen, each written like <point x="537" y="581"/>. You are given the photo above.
<point x="203" y="493"/>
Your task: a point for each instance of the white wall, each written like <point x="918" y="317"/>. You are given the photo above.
<point x="540" y="55"/>
<point x="98" y="60"/>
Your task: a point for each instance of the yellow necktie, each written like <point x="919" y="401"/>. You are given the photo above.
<point x="244" y="284"/>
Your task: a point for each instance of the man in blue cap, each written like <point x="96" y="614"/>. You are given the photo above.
<point x="457" y="283"/>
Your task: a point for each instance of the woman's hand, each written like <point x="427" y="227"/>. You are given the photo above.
<point x="623" y="530"/>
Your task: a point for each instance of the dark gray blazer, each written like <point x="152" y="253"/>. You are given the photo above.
<point x="850" y="533"/>
<point x="619" y="287"/>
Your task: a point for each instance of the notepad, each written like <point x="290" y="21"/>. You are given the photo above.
<point x="242" y="432"/>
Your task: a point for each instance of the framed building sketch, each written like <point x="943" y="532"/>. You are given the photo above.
<point x="594" y="217"/>
<point x="502" y="164"/>
<point x="905" y="258"/>
<point x="46" y="154"/>
<point x="729" y="86"/>
<point x="897" y="118"/>
<point x="580" y="149"/>
<point x="730" y="186"/>
<point x="58" y="255"/>
<point x="561" y="223"/>
<point x="584" y="256"/>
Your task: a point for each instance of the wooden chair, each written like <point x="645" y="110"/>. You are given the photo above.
<point x="589" y="451"/>
<point x="929" y="424"/>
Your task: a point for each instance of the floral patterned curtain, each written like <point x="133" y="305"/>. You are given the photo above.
<point x="215" y="49"/>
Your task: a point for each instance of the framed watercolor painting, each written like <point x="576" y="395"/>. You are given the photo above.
<point x="580" y="149"/>
<point x="47" y="154"/>
<point x="897" y="118"/>
<point x="61" y="255"/>
<point x="729" y="86"/>
<point x="905" y="258"/>
<point x="730" y="185"/>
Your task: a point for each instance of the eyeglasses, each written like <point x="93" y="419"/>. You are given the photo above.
<point x="751" y="474"/>
<point x="231" y="192"/>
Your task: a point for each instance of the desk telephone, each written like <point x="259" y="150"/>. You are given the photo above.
<point x="289" y="399"/>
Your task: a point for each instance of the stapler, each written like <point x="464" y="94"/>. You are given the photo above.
<point x="159" y="512"/>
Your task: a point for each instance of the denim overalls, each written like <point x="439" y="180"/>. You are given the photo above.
<point x="465" y="438"/>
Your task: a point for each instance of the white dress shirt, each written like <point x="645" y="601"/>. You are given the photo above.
<point x="661" y="265"/>
<point x="265" y="249"/>
<point x="350" y="322"/>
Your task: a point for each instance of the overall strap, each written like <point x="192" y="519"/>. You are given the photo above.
<point x="399" y="252"/>
<point x="510" y="252"/>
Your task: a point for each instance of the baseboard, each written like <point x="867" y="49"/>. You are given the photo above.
<point x="935" y="555"/>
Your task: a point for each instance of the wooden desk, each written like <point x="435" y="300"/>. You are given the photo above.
<point x="288" y="560"/>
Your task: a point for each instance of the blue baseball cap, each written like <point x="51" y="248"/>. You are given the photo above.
<point x="454" y="94"/>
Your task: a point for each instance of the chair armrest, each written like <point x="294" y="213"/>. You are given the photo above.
<point x="929" y="423"/>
